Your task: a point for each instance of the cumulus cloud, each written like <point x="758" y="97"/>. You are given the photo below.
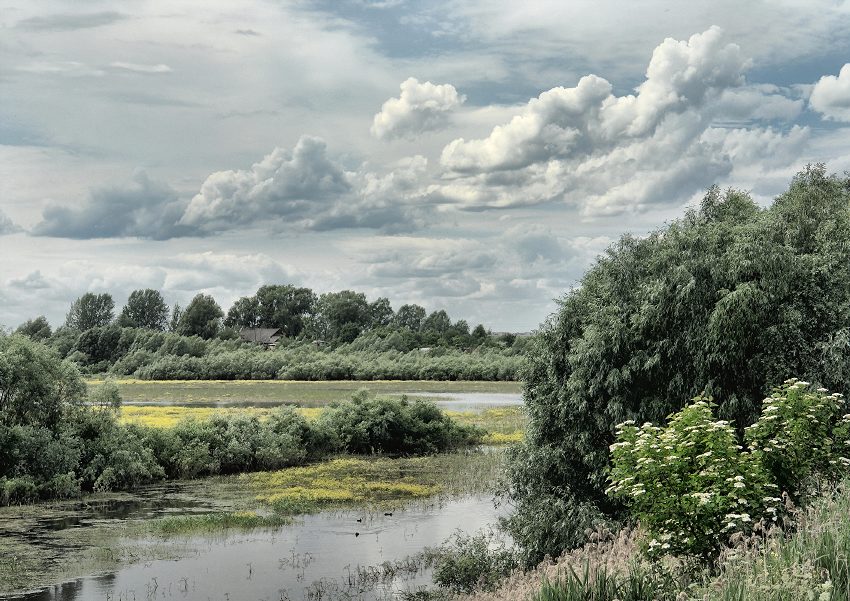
<point x="142" y="208"/>
<point x="608" y="154"/>
<point x="305" y="188"/>
<point x="420" y="107"/>
<point x="285" y="184"/>
<point x="7" y="226"/>
<point x="831" y="95"/>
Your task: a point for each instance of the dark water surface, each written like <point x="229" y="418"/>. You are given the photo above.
<point x="327" y="556"/>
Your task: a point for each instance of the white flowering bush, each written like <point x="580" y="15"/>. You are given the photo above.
<point x="690" y="483"/>
<point x="802" y="432"/>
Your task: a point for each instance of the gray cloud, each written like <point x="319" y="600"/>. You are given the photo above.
<point x="419" y="108"/>
<point x="70" y="21"/>
<point x="305" y="189"/>
<point x="7" y="226"/>
<point x="143" y="208"/>
<point x="831" y="95"/>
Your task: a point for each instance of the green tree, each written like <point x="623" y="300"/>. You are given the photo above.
<point x="244" y="313"/>
<point x="37" y="329"/>
<point x="91" y="310"/>
<point x="341" y="316"/>
<point x="479" y="334"/>
<point x="285" y="307"/>
<point x="174" y="322"/>
<point x="202" y="317"/>
<point x="727" y="300"/>
<point x="410" y="316"/>
<point x="381" y="312"/>
<point x="35" y="385"/>
<point x="145" y="309"/>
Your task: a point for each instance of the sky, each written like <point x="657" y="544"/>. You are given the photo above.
<point x="469" y="156"/>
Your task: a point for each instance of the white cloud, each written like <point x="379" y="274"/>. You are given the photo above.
<point x="284" y="185"/>
<point x="608" y="154"/>
<point x="139" y="68"/>
<point x="831" y="95"/>
<point x="419" y="108"/>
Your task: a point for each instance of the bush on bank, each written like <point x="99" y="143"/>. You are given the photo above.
<point x="728" y="300"/>
<point x="57" y="442"/>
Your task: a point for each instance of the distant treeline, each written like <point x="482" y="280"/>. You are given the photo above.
<point x="335" y="336"/>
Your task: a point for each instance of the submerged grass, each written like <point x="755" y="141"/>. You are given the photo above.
<point x="373" y="481"/>
<point x="214" y="522"/>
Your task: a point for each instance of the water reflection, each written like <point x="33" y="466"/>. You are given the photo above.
<point x="325" y="556"/>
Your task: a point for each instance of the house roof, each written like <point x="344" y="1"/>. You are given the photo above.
<point x="260" y="335"/>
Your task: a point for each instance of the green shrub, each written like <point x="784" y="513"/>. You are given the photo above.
<point x="690" y="484"/>
<point x="801" y="433"/>
<point x="395" y="427"/>
<point x="470" y="562"/>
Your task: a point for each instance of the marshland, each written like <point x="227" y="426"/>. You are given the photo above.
<point x="404" y="300"/>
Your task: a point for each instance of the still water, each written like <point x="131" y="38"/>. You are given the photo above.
<point x="454" y="401"/>
<point x="326" y="556"/>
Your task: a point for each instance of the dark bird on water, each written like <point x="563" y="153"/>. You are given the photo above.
<point x="389" y="514"/>
<point x="359" y="519"/>
<point x="356" y="534"/>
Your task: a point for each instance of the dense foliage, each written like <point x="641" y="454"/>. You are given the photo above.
<point x="335" y="336"/>
<point x="56" y="440"/>
<point x="394" y="426"/>
<point x="728" y="300"/>
<point x="692" y="485"/>
<point x="689" y="484"/>
<point x="473" y="562"/>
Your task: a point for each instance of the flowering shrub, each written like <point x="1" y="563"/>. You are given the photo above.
<point x="690" y="484"/>
<point x="801" y="433"/>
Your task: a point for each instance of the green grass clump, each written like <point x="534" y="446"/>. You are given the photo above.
<point x="215" y="522"/>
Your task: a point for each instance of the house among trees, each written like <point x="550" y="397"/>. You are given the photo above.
<point x="266" y="337"/>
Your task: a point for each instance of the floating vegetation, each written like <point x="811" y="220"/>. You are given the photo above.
<point x="215" y="522"/>
<point x="344" y="481"/>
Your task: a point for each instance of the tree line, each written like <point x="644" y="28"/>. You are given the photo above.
<point x="337" y="335"/>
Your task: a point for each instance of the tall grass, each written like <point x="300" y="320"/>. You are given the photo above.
<point x="808" y="561"/>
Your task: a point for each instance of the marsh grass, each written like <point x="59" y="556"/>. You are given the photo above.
<point x="379" y="481"/>
<point x="214" y="522"/>
<point x="504" y="425"/>
<point x="168" y="416"/>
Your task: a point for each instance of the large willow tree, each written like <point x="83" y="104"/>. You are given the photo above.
<point x="731" y="300"/>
